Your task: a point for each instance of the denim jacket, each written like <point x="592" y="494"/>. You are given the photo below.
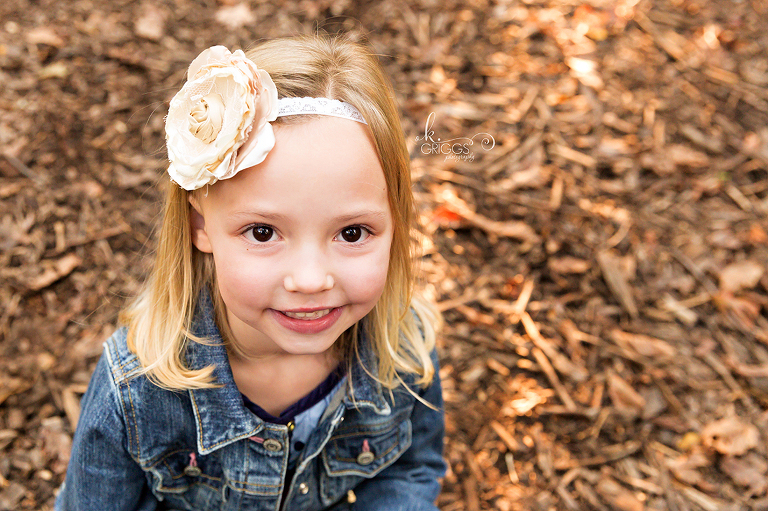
<point x="140" y="447"/>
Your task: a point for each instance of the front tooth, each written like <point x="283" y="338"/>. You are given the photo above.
<point x="308" y="315"/>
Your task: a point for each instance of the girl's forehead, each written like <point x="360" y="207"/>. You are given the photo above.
<point x="323" y="162"/>
<point x="322" y="130"/>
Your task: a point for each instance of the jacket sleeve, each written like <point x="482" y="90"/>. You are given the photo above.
<point x="412" y="482"/>
<point x="101" y="473"/>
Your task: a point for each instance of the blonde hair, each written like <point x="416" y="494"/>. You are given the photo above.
<point x="160" y="318"/>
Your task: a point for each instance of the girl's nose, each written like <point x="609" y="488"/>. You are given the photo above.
<point x="308" y="282"/>
<point x="308" y="269"/>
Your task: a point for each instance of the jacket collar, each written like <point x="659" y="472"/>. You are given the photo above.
<point x="220" y="416"/>
<point x="365" y="391"/>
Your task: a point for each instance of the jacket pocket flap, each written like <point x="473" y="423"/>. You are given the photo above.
<point x="179" y="470"/>
<point x="366" y="452"/>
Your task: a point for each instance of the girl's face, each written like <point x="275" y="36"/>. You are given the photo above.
<point x="301" y="241"/>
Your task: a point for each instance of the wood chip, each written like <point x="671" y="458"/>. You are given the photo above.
<point x="617" y="282"/>
<point x="505" y="436"/>
<point x="643" y="345"/>
<point x="617" y="496"/>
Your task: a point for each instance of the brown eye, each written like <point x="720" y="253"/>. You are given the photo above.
<point x="262" y="233"/>
<point x="352" y="234"/>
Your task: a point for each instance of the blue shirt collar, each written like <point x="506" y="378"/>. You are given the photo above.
<point x="220" y="416"/>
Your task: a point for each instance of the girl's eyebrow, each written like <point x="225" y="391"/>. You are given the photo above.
<point x="376" y="214"/>
<point x="263" y="214"/>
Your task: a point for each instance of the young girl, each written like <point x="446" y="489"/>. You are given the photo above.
<point x="277" y="358"/>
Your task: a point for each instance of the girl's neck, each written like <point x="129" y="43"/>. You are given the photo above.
<point x="277" y="381"/>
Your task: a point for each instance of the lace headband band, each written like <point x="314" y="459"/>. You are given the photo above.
<point x="219" y="123"/>
<point x="318" y="106"/>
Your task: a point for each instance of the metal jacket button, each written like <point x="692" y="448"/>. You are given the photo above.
<point x="365" y="458"/>
<point x="272" y="445"/>
<point x="303" y="488"/>
<point x="192" y="471"/>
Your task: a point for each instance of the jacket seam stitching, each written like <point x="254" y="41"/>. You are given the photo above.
<point x="181" y="490"/>
<point x="132" y="431"/>
<point x="118" y="384"/>
<point x="130" y="361"/>
<point x="252" y="484"/>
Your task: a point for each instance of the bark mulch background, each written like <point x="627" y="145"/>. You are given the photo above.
<point x="599" y="249"/>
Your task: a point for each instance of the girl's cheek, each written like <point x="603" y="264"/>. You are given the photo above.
<point x="365" y="280"/>
<point x="246" y="274"/>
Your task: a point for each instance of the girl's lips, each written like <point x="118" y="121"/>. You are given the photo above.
<point x="308" y="322"/>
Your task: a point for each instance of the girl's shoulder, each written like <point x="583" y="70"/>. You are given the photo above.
<point x="123" y="363"/>
<point x="124" y="368"/>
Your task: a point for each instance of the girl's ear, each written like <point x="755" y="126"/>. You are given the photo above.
<point x="197" y="224"/>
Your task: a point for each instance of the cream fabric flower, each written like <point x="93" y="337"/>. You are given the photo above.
<point x="219" y="121"/>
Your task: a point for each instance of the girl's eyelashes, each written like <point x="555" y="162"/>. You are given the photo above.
<point x="353" y="234"/>
<point x="263" y="233"/>
<point x="260" y="233"/>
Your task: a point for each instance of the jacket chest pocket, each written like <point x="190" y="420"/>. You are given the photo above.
<point x="361" y="452"/>
<point x="185" y="480"/>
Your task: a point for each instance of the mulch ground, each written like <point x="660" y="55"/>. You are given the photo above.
<point x="596" y="228"/>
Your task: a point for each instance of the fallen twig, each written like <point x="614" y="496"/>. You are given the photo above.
<point x="511" y="229"/>
<point x="562" y="363"/>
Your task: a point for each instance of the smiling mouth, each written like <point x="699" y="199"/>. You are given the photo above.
<point x="307" y="316"/>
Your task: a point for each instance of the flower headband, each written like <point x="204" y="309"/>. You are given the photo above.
<point x="219" y="122"/>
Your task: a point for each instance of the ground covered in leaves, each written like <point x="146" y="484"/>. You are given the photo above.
<point x="597" y="228"/>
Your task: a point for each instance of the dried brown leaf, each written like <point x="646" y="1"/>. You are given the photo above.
<point x="741" y="275"/>
<point x="730" y="435"/>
